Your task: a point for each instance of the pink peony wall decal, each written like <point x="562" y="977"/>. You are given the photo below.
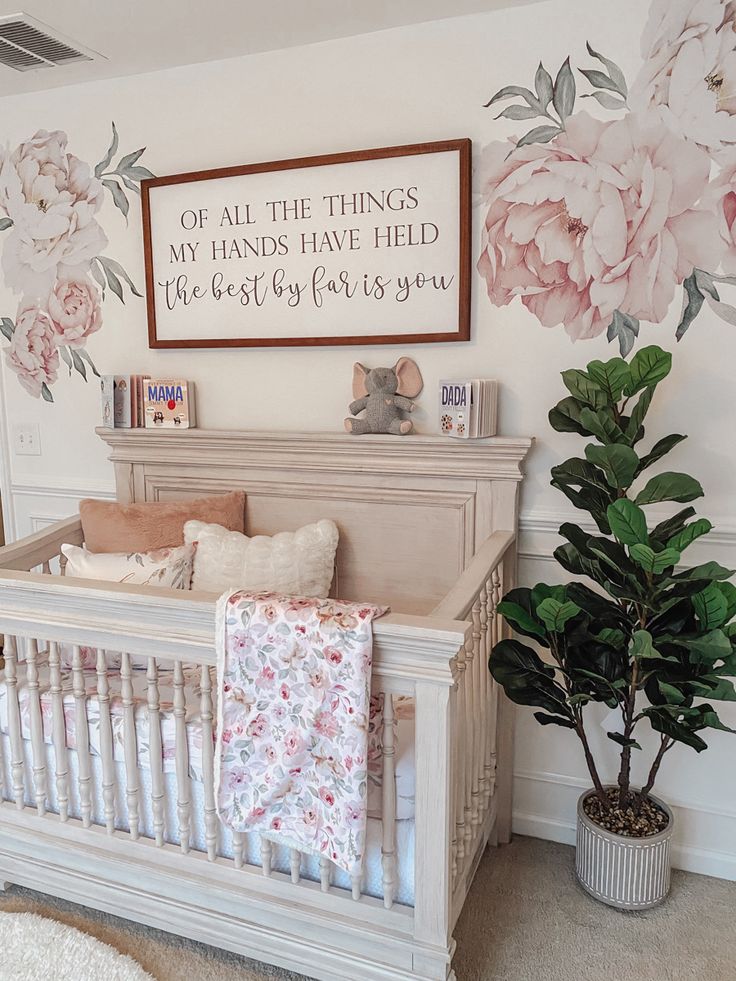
<point x="597" y="224"/>
<point x="52" y="254"/>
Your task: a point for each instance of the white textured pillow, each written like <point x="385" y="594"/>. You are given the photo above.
<point x="165" y="567"/>
<point x="297" y="563"/>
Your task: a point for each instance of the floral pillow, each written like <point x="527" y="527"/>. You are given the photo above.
<point x="165" y="568"/>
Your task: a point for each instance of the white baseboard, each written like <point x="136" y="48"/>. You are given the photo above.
<point x="561" y="827"/>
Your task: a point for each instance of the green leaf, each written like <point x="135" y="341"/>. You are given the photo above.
<point x="78" y="363"/>
<point x="582" y="387"/>
<point x="689" y="534"/>
<point x="526" y="679"/>
<point x="509" y="91"/>
<point x="85" y="357"/>
<point x="7" y="328"/>
<point x="605" y="99"/>
<point x="553" y="720"/>
<point x="113" y="282"/>
<point x="673" y="695"/>
<point x="517" y="112"/>
<point x="728" y="590"/>
<point x="710" y="647"/>
<point x="599" y="80"/>
<point x="112" y="150"/>
<point x="648" y="367"/>
<point x="619" y="738"/>
<point x="663" y="721"/>
<point x="618" y="462"/>
<point x="543" y="591"/>
<point x="118" y="196"/>
<point x="602" y="425"/>
<point x="723" y="691"/>
<point x="641" y="645"/>
<point x="520" y="619"/>
<point x="651" y="561"/>
<point x="670" y="486"/>
<point x="692" y="303"/>
<point x="555" y="615"/>
<point x="634" y="429"/>
<point x="46" y="393"/>
<point x="708" y="570"/>
<point x="140" y="174"/>
<point x="109" y="265"/>
<point x="710" y="607"/>
<point x="628" y="522"/>
<point x="128" y="160"/>
<point x="5" y="223"/>
<point x="580" y="473"/>
<point x="543" y="86"/>
<point x="563" y="97"/>
<point x="540" y="134"/>
<point x="660" y="449"/>
<point x="625" y="329"/>
<point x="566" y="417"/>
<point x="671" y="526"/>
<point x="66" y="357"/>
<point x="611" y="637"/>
<point x="617" y="76"/>
<point x="611" y="376"/>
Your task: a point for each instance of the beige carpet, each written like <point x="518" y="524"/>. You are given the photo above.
<point x="525" y="920"/>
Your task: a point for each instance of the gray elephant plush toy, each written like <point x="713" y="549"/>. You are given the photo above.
<point x="385" y="394"/>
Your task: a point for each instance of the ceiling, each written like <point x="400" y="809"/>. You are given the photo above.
<point x="147" y="35"/>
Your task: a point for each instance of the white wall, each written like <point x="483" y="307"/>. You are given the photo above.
<point x="401" y="86"/>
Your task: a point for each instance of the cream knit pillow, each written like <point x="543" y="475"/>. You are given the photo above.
<point x="297" y="563"/>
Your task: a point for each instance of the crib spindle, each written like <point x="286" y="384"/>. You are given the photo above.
<point x="356" y="880"/>
<point x="17" y="768"/>
<point x="295" y="865"/>
<point x="325" y="871"/>
<point x="388" y="809"/>
<point x="62" y="564"/>
<point x="474" y="746"/>
<point x="238" y="849"/>
<point x="495" y="636"/>
<point x="266" y="856"/>
<point x="208" y="764"/>
<point x="458" y="844"/>
<point x="38" y="747"/>
<point x="59" y="732"/>
<point x="81" y="730"/>
<point x="483" y="698"/>
<point x="183" y="787"/>
<point x="468" y="743"/>
<point x="155" y="751"/>
<point x="108" y="765"/>
<point x="130" y="746"/>
<point x="46" y="568"/>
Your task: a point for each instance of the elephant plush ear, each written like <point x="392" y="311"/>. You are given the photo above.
<point x="410" y="378"/>
<point x="360" y="373"/>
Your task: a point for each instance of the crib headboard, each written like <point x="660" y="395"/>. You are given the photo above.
<point x="411" y="510"/>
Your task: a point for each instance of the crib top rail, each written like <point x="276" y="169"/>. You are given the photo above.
<point x="180" y="626"/>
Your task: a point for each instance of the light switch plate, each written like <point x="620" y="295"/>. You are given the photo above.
<point x="26" y="439"/>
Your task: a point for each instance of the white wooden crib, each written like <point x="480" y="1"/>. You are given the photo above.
<point x="428" y="526"/>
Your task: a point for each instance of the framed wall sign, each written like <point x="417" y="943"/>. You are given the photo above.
<point x="370" y="247"/>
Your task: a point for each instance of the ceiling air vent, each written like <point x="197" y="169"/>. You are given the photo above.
<point x="26" y="44"/>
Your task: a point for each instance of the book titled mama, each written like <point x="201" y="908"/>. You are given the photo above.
<point x="168" y="403"/>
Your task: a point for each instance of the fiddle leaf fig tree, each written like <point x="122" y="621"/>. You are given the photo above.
<point x="639" y="636"/>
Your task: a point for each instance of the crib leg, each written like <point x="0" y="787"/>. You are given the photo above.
<point x="4" y="885"/>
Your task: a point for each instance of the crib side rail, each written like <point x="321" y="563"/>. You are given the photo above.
<point x="42" y="547"/>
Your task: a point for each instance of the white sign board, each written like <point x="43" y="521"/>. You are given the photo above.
<point x="370" y="247"/>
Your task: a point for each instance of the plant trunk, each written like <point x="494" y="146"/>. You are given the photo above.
<point x="600" y="792"/>
<point x="624" y="776"/>
<point x="664" y="745"/>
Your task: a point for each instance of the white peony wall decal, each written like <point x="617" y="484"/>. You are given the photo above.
<point x="52" y="253"/>
<point x="597" y="224"/>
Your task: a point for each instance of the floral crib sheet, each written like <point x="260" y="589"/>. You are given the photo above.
<point x="192" y="690"/>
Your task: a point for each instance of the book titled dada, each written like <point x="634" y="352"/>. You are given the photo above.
<point x="468" y="408"/>
<point x="168" y="403"/>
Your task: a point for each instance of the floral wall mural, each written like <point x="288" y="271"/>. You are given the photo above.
<point x="597" y="224"/>
<point x="53" y="253"/>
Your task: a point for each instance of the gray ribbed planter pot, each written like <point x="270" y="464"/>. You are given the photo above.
<point x="629" y="873"/>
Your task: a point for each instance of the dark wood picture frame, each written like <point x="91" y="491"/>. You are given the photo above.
<point x="462" y="333"/>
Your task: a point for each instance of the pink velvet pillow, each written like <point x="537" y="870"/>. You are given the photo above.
<point x="112" y="527"/>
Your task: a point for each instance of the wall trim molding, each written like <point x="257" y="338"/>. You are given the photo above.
<point x="562" y="829"/>
<point x="48" y="487"/>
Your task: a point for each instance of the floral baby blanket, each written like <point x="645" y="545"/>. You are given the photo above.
<point x="294" y="681"/>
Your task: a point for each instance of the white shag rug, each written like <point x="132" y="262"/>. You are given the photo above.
<point x="33" y="948"/>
